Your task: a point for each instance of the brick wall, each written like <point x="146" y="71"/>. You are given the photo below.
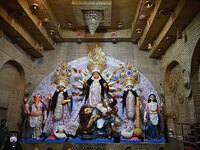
<point x="182" y="52"/>
<point x="15" y="70"/>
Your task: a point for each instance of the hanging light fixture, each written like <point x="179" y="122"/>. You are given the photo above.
<point x="93" y="19"/>
<point x="149" y="46"/>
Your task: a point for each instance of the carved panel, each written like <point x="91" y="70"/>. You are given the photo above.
<point x="178" y="93"/>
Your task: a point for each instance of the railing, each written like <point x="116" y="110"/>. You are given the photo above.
<point x="197" y="117"/>
<point x="188" y="136"/>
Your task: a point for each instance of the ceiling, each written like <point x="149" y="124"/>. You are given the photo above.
<point x="36" y="25"/>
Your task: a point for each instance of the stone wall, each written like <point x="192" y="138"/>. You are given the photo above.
<point x="15" y="69"/>
<point x="181" y="52"/>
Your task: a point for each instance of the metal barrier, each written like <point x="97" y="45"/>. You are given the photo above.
<point x="188" y="136"/>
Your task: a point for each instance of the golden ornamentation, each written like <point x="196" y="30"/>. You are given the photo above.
<point x="62" y="74"/>
<point x="96" y="59"/>
<point x="130" y="74"/>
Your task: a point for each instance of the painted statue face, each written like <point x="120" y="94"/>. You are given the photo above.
<point x="96" y="75"/>
<point x="61" y="88"/>
<point x="129" y="87"/>
<point x="152" y="97"/>
<point x="88" y="111"/>
<point x="39" y="97"/>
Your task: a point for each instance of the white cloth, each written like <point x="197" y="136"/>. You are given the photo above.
<point x="153" y="116"/>
<point x="130" y="105"/>
<point x="59" y="107"/>
<point x="35" y="120"/>
<point x="95" y="93"/>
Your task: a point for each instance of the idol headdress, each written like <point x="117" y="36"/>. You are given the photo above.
<point x="131" y="75"/>
<point x="96" y="60"/>
<point x="62" y="75"/>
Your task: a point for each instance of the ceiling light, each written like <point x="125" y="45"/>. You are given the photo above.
<point x="149" y="46"/>
<point x="45" y="20"/>
<point x="93" y="19"/>
<point x="34" y="6"/>
<point x="114" y="41"/>
<point x="143" y="17"/>
<point x="57" y="37"/>
<point x="164" y="11"/>
<point x="79" y="41"/>
<point x="119" y="25"/>
<point x="134" y="41"/>
<point x="149" y="4"/>
<point x="160" y="49"/>
<point x="168" y="37"/>
<point x="69" y="25"/>
<point x="51" y="32"/>
<point x="139" y="30"/>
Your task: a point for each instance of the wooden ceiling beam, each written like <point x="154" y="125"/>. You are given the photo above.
<point x="133" y="24"/>
<point x="11" y="24"/>
<point x="160" y="45"/>
<point x="46" y="10"/>
<point x="81" y="33"/>
<point x="43" y="37"/>
<point x="152" y="21"/>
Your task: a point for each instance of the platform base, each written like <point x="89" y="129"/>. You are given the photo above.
<point x="100" y="146"/>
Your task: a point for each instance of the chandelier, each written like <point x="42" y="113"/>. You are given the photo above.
<point x="93" y="19"/>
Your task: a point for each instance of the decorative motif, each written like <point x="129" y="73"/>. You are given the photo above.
<point x="93" y="19"/>
<point x="186" y="83"/>
<point x="180" y="97"/>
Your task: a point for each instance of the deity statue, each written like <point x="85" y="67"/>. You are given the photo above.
<point x="87" y="120"/>
<point x="131" y="102"/>
<point x="59" y="108"/>
<point x="60" y="131"/>
<point x="152" y="117"/>
<point x="36" y="117"/>
<point x="96" y="87"/>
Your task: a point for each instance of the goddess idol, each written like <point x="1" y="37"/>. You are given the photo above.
<point x="96" y="82"/>
<point x="60" y="101"/>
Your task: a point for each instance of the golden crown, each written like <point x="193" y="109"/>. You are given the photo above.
<point x="62" y="74"/>
<point x="96" y="59"/>
<point x="130" y="74"/>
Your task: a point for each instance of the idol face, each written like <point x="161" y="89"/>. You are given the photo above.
<point x="96" y="75"/>
<point x="61" y="88"/>
<point x="152" y="97"/>
<point x="88" y="111"/>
